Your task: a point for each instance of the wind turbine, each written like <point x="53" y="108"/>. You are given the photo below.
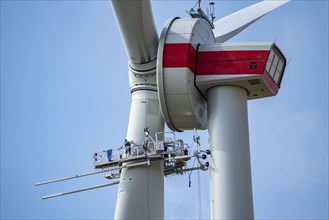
<point x="189" y="100"/>
<point x="190" y="78"/>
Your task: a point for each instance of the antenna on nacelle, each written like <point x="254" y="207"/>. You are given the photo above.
<point x="212" y="11"/>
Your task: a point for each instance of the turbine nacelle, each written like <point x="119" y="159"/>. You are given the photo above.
<point x="256" y="67"/>
<point x="164" y="75"/>
<point x="190" y="63"/>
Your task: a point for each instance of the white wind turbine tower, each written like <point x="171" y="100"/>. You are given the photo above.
<point x="189" y="78"/>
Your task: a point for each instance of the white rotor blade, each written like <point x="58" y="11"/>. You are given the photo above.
<point x="136" y="24"/>
<point x="231" y="25"/>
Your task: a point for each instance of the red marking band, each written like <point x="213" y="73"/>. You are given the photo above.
<point x="231" y="62"/>
<point x="179" y="55"/>
<point x="215" y="62"/>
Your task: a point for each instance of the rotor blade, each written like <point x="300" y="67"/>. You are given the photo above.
<point x="231" y="25"/>
<point x="137" y="28"/>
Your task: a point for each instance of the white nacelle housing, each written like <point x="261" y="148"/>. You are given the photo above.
<point x="182" y="105"/>
<point x="256" y="67"/>
<point x="190" y="63"/>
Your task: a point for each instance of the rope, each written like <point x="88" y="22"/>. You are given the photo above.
<point x="199" y="196"/>
<point x="199" y="187"/>
<point x="189" y="175"/>
<point x="199" y="179"/>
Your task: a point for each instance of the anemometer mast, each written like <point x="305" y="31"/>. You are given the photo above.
<point x="199" y="13"/>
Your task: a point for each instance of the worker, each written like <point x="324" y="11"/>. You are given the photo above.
<point x="127" y="147"/>
<point x="109" y="154"/>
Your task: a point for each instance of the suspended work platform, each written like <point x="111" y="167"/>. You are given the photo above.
<point x="173" y="152"/>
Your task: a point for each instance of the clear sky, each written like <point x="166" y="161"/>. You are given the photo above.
<point x="65" y="95"/>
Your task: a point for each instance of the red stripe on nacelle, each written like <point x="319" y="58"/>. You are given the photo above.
<point x="214" y="62"/>
<point x="232" y="62"/>
<point x="242" y="55"/>
<point x="179" y="55"/>
<point x="230" y="67"/>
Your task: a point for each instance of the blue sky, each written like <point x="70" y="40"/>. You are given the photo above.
<point x="65" y="95"/>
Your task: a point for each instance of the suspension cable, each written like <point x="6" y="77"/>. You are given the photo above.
<point x="199" y="196"/>
<point x="189" y="175"/>
<point x="199" y="182"/>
